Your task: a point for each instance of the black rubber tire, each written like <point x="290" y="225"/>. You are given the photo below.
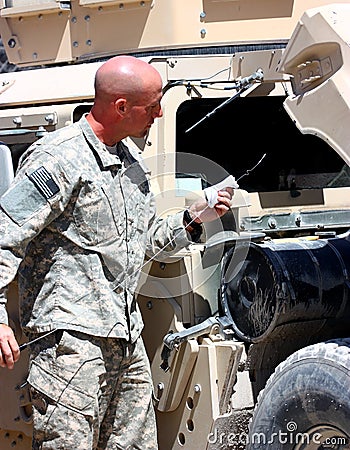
<point x="306" y="401"/>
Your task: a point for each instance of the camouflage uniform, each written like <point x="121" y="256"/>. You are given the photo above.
<point x="75" y="224"/>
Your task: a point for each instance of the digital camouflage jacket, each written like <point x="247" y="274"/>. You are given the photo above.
<point x="75" y="225"/>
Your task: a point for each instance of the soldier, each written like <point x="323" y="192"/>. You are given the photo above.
<point x="75" y="226"/>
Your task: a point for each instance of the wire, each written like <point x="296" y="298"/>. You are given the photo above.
<point x="26" y="344"/>
<point x="247" y="172"/>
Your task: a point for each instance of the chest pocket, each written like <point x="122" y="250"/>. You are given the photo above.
<point x="99" y="212"/>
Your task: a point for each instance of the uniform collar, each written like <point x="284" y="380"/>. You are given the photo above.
<point x="107" y="158"/>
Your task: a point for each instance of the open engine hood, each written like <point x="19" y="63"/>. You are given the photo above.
<point x="318" y="59"/>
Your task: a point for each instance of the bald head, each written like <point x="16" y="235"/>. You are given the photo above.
<point x="128" y="92"/>
<point x="124" y="76"/>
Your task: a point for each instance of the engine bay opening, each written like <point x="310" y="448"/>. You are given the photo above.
<point x="237" y="136"/>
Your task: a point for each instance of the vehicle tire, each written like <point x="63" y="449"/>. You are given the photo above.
<point x="306" y="402"/>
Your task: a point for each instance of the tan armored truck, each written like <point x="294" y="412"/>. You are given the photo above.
<point x="248" y="330"/>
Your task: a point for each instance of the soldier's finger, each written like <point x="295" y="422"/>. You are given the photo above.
<point x="230" y="191"/>
<point x="225" y="194"/>
<point x="224" y="199"/>
<point x="7" y="356"/>
<point x="2" y="361"/>
<point x="14" y="348"/>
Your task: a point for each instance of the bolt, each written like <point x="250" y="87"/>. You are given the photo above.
<point x="149" y="305"/>
<point x="197" y="388"/>
<point x="87" y="18"/>
<point x="75" y="44"/>
<point x="202" y="15"/>
<point x="50" y="118"/>
<point x="12" y="43"/>
<point x="160" y="386"/>
<point x="203" y="32"/>
<point x="88" y="42"/>
<point x="74" y="19"/>
<point x="272" y="222"/>
<point x="17" y="120"/>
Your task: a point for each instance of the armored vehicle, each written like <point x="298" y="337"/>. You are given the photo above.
<point x="247" y="330"/>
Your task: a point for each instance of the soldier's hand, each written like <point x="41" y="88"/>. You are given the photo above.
<point x="200" y="209"/>
<point x="9" y="349"/>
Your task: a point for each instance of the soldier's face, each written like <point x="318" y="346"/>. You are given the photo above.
<point x="145" y="111"/>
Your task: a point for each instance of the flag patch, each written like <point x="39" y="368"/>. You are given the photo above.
<point x="44" y="182"/>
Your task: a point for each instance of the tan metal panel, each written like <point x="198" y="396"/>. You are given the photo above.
<point x="92" y="28"/>
<point x="318" y="58"/>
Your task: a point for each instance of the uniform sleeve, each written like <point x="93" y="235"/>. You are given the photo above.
<point x="3" y="311"/>
<point x="166" y="236"/>
<point x="38" y="194"/>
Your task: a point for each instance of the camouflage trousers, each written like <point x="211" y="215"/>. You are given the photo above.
<point x="91" y="393"/>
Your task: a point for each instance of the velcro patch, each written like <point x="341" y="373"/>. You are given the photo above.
<point x="44" y="182"/>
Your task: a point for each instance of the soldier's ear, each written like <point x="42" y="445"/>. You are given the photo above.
<point x="120" y="106"/>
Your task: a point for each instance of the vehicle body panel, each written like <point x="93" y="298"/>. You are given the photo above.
<point x="209" y="53"/>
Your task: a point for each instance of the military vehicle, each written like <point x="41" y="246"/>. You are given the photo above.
<point x="247" y="331"/>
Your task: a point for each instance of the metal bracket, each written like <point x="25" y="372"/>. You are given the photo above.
<point x="212" y="325"/>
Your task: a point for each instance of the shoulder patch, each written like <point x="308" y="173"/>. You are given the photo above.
<point x="22" y="201"/>
<point x="44" y="182"/>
